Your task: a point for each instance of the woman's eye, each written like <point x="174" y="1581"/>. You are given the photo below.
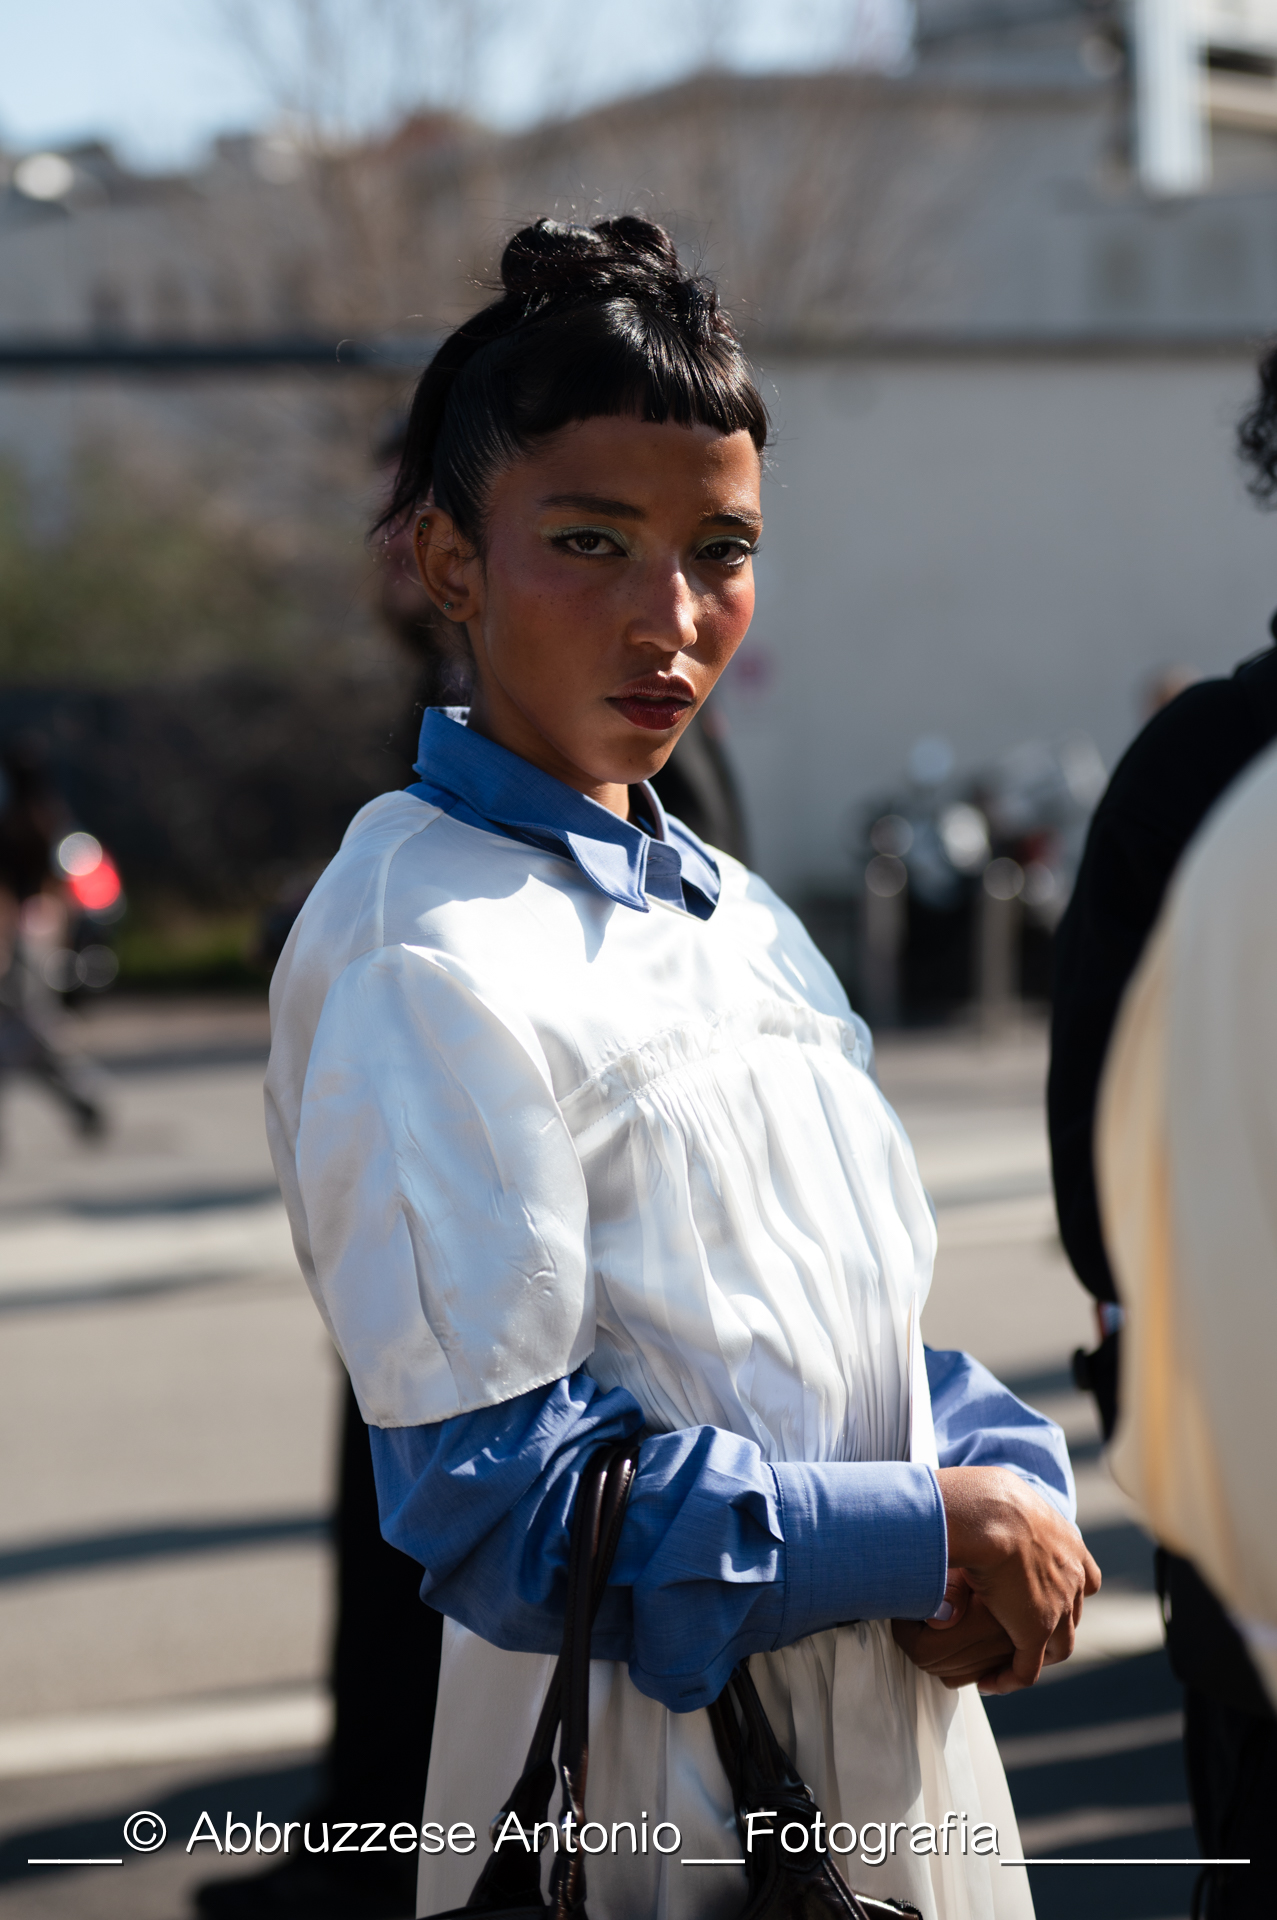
<point x="729" y="553"/>
<point x="587" y="541"/>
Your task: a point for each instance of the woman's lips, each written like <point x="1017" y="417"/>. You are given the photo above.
<point x="643" y="710"/>
<point x="654" y="706"/>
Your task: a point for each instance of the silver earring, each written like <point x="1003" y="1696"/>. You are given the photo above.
<point x="447" y="606"/>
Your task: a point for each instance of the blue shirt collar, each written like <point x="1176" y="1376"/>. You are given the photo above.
<point x="475" y="780"/>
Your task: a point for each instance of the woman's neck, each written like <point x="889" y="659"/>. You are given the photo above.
<point x="511" y="730"/>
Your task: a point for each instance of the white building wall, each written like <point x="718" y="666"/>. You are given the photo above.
<point x="989" y="550"/>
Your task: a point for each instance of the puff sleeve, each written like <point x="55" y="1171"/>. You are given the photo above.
<point x="438" y="1201"/>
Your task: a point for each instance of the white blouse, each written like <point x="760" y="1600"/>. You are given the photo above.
<point x="508" y="1116"/>
<point x="521" y="1129"/>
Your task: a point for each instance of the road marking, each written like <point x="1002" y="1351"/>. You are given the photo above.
<point x="1115" y="1626"/>
<point x="1082" y="1824"/>
<point x="1020" y="1215"/>
<point x="46" y="1559"/>
<point x="275" y="1722"/>
<point x="1089" y="1743"/>
<point x="46" y="1257"/>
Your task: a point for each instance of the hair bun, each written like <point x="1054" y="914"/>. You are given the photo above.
<point x="550" y="259"/>
<point x="539" y="255"/>
<point x="592" y="322"/>
<point x="643" y="240"/>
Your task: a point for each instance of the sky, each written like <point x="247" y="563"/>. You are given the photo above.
<point x="159" y="79"/>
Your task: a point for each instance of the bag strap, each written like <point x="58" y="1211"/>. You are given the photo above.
<point x="596" y="1530"/>
<point x="512" y="1877"/>
<point x="762" y="1775"/>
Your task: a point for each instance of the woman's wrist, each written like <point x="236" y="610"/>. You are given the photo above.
<point x="984" y="1510"/>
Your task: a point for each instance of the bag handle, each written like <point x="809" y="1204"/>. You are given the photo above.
<point x="512" y="1877"/>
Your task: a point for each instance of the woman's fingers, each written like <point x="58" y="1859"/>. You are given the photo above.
<point x="906" y="1634"/>
<point x="1058" y="1648"/>
<point x="1019" y="1577"/>
<point x="958" y="1654"/>
<point x="953" y="1608"/>
<point x="1028" y="1565"/>
<point x="1004" y="1680"/>
<point x="1027" y="1664"/>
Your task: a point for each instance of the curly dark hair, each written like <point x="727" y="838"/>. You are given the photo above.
<point x="1257" y="434"/>
<point x="592" y="321"/>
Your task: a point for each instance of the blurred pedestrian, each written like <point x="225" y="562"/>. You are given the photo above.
<point x="1186" y="1157"/>
<point x="1185" y="758"/>
<point x="33" y="818"/>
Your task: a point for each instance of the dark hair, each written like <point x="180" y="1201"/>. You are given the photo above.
<point x="593" y="321"/>
<point x="1257" y="434"/>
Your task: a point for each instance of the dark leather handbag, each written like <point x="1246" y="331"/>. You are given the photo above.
<point x="793" y="1883"/>
<point x="782" y="1885"/>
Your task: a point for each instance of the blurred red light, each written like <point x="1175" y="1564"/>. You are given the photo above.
<point x="98" y="889"/>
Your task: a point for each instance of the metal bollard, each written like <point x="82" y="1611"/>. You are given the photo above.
<point x="998" y="935"/>
<point x="886" y="912"/>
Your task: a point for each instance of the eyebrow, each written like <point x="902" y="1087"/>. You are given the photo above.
<point x="595" y="503"/>
<point x="626" y="510"/>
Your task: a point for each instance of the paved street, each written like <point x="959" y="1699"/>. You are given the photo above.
<point x="167" y="1413"/>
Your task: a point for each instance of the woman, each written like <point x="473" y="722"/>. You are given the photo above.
<point x="579" y="1136"/>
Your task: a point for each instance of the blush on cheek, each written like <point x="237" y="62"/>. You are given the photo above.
<point x="727" y="631"/>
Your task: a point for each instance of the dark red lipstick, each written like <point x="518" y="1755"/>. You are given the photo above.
<point x="657" y="702"/>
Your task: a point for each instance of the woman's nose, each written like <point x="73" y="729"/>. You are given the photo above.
<point x="666" y="614"/>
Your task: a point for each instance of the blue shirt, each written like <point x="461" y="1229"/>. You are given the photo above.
<point x="722" y="1553"/>
<point x="487" y="786"/>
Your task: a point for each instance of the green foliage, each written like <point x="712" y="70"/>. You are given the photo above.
<point x="132" y="588"/>
<point x="189" y="953"/>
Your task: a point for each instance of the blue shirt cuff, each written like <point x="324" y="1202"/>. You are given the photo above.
<point x="864" y="1540"/>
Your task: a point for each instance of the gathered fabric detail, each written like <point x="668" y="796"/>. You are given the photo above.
<point x="758" y="1232"/>
<point x="680" y="1047"/>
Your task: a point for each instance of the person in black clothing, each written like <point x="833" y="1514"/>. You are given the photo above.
<point x="1169" y="779"/>
<point x="1166" y="783"/>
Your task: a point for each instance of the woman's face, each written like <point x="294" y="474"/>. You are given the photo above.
<point x="616" y="584"/>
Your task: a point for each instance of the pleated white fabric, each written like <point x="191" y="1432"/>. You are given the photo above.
<point x="519" y="1129"/>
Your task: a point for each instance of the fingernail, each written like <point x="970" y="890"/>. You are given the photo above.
<point x="943" y="1612"/>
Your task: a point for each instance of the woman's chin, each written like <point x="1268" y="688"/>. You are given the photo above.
<point x="637" y="750"/>
<point x="640" y="763"/>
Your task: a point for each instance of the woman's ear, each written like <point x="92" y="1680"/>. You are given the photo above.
<point x="448" y="565"/>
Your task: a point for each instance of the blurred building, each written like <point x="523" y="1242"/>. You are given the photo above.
<point x="1003" y="372"/>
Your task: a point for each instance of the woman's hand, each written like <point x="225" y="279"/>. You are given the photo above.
<point x="1027" y="1567"/>
<point x="961" y="1652"/>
